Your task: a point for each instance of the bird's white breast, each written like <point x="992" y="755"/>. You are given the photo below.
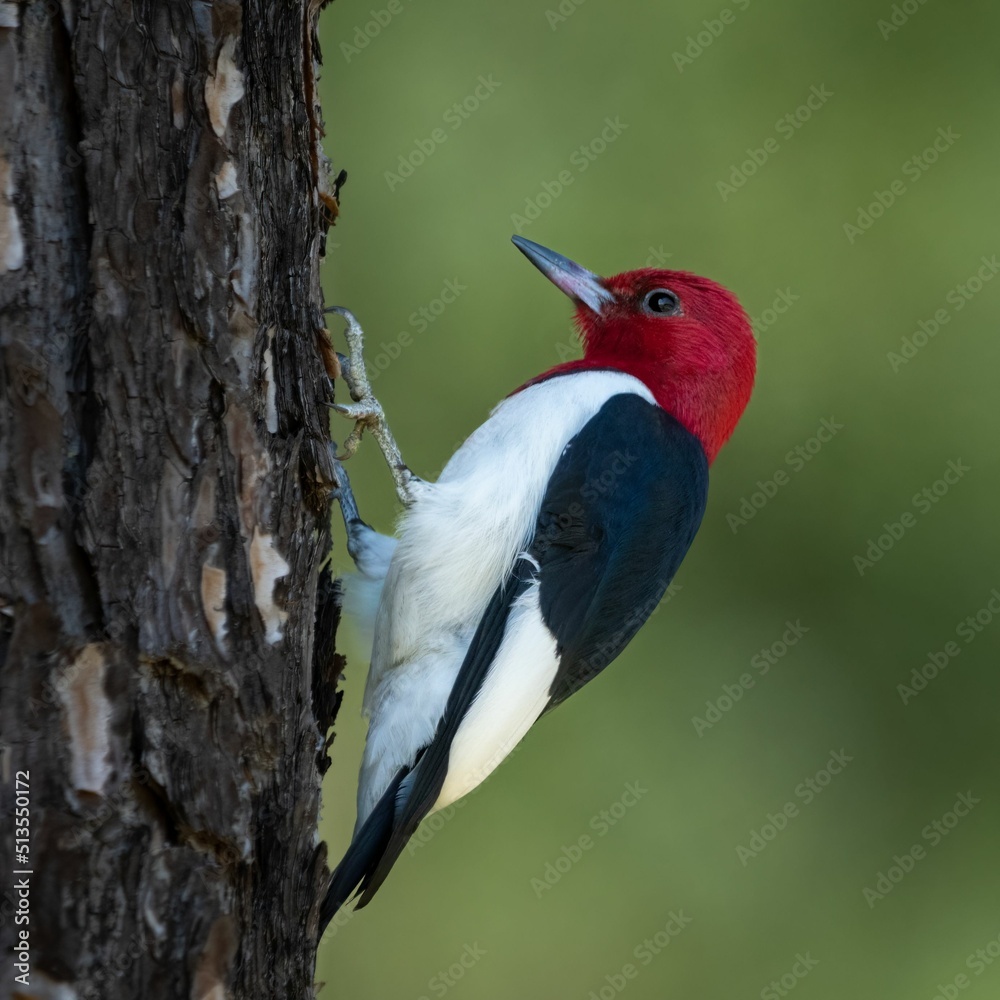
<point x="457" y="543"/>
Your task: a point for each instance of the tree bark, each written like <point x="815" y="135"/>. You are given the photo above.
<point x="167" y="670"/>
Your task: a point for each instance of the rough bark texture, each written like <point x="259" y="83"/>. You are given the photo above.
<point x="167" y="672"/>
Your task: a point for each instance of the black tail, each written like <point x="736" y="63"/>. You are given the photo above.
<point x="363" y="856"/>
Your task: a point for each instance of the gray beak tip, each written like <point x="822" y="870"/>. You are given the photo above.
<point x="577" y="282"/>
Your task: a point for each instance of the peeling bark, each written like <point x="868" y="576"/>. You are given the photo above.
<point x="167" y="663"/>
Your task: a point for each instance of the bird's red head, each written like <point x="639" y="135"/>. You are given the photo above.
<point x="687" y="338"/>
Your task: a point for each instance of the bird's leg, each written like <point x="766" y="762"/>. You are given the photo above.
<point x="366" y="411"/>
<point x="348" y="507"/>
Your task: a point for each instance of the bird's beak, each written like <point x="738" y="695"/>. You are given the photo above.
<point x="577" y="282"/>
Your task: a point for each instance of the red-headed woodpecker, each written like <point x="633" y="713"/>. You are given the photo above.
<point x="544" y="545"/>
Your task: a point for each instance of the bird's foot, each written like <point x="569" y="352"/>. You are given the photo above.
<point x="355" y="527"/>
<point x="366" y="411"/>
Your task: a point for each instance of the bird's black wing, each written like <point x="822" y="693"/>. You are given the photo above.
<point x="620" y="512"/>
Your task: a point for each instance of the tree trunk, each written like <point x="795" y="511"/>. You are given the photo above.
<point x="167" y="672"/>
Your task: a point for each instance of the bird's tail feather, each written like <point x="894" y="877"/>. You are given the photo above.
<point x="364" y="856"/>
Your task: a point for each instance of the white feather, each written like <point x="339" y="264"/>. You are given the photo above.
<point x="457" y="543"/>
<point x="372" y="555"/>
<point x="512" y="697"/>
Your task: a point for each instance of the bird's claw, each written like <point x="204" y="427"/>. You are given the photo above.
<point x="365" y="414"/>
<point x="366" y="411"/>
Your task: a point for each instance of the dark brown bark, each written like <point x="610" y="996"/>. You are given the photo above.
<point x="167" y="671"/>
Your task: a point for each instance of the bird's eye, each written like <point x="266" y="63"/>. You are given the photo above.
<point x="663" y="302"/>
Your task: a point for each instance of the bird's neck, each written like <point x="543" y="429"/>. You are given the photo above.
<point x="684" y="399"/>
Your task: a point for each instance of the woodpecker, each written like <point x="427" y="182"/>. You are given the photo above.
<point x="548" y="539"/>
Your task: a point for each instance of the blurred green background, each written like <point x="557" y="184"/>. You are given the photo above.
<point x="794" y="915"/>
